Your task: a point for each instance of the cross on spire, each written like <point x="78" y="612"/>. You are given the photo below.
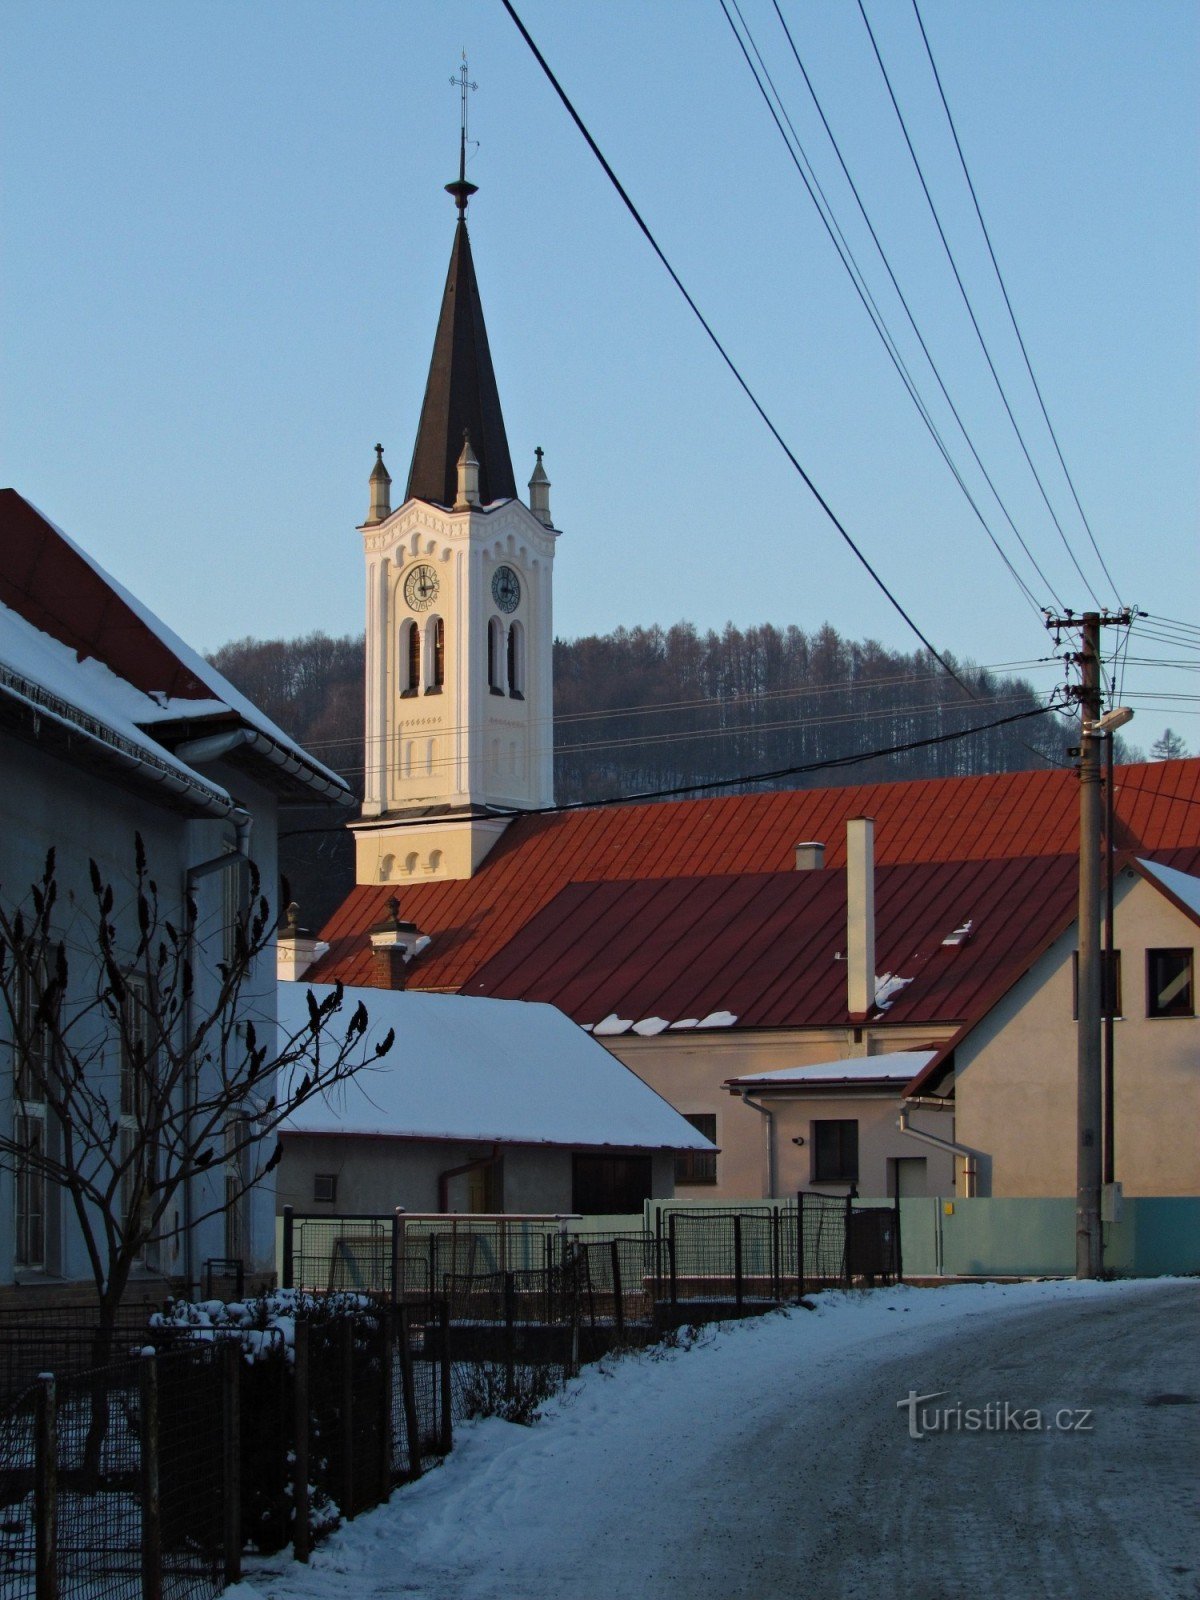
<point x="462" y="190"/>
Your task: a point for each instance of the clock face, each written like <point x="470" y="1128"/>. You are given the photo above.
<point x="506" y="588"/>
<point x="421" y="587"/>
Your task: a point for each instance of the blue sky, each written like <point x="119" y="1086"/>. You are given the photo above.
<point x="225" y="238"/>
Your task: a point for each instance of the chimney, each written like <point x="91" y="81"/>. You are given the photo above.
<point x="295" y="948"/>
<point x="393" y="945"/>
<point x="468" y="477"/>
<point x="860" y="917"/>
<point x="810" y="856"/>
<point x="539" y="492"/>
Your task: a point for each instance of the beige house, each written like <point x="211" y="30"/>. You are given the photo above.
<point x="1008" y="1080"/>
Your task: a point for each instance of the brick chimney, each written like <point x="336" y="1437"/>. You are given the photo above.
<point x="394" y="943"/>
<point x="296" y="948"/>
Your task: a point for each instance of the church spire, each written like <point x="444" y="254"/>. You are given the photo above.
<point x="460" y="393"/>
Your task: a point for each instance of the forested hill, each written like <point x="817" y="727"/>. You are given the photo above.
<point x="645" y="709"/>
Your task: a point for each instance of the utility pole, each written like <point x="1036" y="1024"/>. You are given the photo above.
<point x="1089" y="1080"/>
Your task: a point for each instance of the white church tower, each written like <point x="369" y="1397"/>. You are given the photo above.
<point x="459" y="715"/>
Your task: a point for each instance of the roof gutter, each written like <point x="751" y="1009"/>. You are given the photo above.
<point x="969" y="1156"/>
<point x="41" y="705"/>
<point x="211" y="747"/>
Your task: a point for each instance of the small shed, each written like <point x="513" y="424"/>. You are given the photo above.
<point x="481" y="1105"/>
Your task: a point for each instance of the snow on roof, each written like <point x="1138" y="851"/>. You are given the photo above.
<point x="1182" y="885"/>
<point x="499" y="1070"/>
<point x="223" y="697"/>
<point x="896" y="1066"/>
<point x="88" y="687"/>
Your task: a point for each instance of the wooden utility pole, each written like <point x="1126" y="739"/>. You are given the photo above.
<point x="1089" y="1170"/>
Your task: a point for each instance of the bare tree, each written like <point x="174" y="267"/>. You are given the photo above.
<point x="1170" y="747"/>
<point x="137" y="1067"/>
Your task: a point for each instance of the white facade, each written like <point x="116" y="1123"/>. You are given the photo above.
<point x="459" y="696"/>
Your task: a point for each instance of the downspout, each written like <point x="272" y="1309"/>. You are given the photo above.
<point x="768" y="1134"/>
<point x="970" y="1167"/>
<point x="243" y="822"/>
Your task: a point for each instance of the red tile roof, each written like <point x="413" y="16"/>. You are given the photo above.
<point x="949" y="819"/>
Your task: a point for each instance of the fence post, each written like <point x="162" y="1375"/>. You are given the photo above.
<point x="847" y="1231"/>
<point x="899" y="1252"/>
<point x="510" y="1358"/>
<point x="395" y="1255"/>
<point x="737" y="1260"/>
<point x="301" y="1538"/>
<point x="447" y="1394"/>
<point x="776" y="1253"/>
<point x="387" y="1329"/>
<point x="45" y="1490"/>
<point x="231" y="1458"/>
<point x="151" y="1510"/>
<point x="618" y="1292"/>
<point x="574" y="1351"/>
<point x="346" y="1362"/>
<point x="289" y="1274"/>
<point x="657" y="1254"/>
<point x="412" y="1428"/>
<point x="800" y="1242"/>
<point x="671" y="1258"/>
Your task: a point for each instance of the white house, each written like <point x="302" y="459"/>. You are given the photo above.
<point x="481" y="1105"/>
<point x="110" y="727"/>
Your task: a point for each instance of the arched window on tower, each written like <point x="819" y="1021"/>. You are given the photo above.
<point x="410" y="658"/>
<point x="496" y="656"/>
<point x="435" y="643"/>
<point x="516" y="661"/>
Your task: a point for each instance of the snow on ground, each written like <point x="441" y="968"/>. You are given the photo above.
<point x="596" y="1474"/>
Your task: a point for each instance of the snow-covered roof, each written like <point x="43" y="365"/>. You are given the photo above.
<point x="1181" y="885"/>
<point x="500" y="1070"/>
<point x="896" y="1066"/>
<point x="89" y="698"/>
<point x="149" y="675"/>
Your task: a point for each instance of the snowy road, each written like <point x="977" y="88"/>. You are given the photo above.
<point x="772" y="1461"/>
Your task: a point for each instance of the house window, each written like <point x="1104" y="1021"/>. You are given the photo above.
<point x="1110" y="984"/>
<point x="29" y="1135"/>
<point x="325" y="1187"/>
<point x="412" y="653"/>
<point x="496" y="656"/>
<point x="610" y="1185"/>
<point x="1170" y="991"/>
<point x="435" y="640"/>
<point x="698" y="1166"/>
<point x="835" y="1151"/>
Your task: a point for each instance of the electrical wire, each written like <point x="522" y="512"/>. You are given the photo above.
<point x="828" y="764"/>
<point x="1008" y="303"/>
<point x="970" y="309"/>
<point x="856" y="274"/>
<point x="843" y="532"/>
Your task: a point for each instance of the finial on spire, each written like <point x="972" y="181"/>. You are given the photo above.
<point x="461" y="189"/>
<point x="381" y="483"/>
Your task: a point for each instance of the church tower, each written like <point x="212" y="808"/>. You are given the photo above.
<point x="459" y="717"/>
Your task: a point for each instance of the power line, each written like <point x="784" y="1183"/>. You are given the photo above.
<point x="970" y="309"/>
<point x="1008" y="303"/>
<point x="721" y="351"/>
<point x="858" y="278"/>
<point x="829" y="764"/>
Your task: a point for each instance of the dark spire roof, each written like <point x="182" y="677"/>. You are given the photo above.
<point x="460" y="395"/>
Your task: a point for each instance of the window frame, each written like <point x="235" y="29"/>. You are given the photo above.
<point x="847" y="1166"/>
<point x="330" y="1178"/>
<point x="1154" y="988"/>
<point x="698" y="1166"/>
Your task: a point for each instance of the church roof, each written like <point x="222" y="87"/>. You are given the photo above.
<point x="460" y="396"/>
<point x="997" y="816"/>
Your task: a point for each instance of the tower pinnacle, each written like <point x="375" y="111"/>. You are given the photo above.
<point x="461" y="189"/>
